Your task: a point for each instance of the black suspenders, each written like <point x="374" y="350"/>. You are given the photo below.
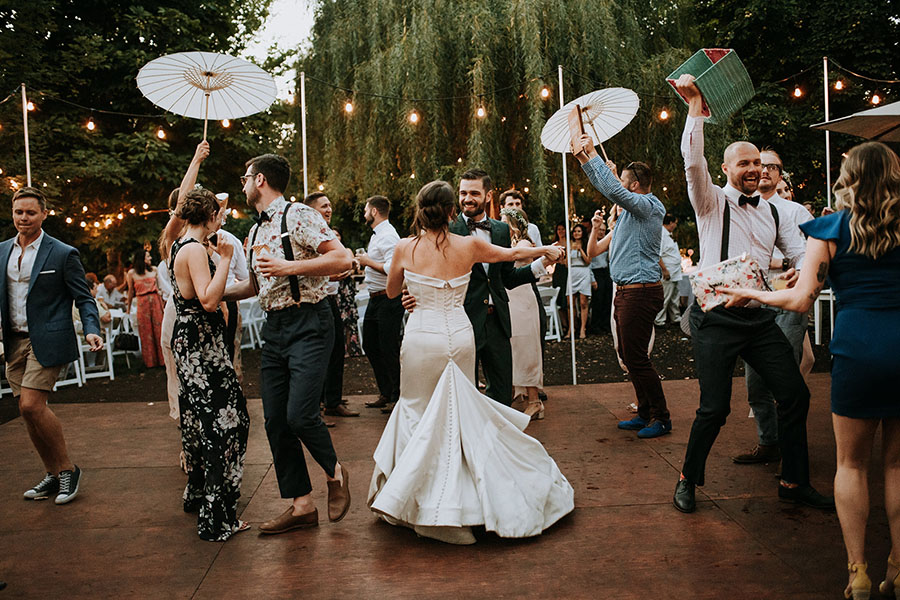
<point x="726" y="226"/>
<point x="286" y="247"/>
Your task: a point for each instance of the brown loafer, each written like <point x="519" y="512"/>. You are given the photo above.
<point x="380" y="403"/>
<point x="339" y="496"/>
<point x="287" y="522"/>
<point x="341" y="411"/>
<point x="760" y="454"/>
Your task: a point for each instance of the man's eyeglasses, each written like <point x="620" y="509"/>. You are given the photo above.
<point x="244" y="178"/>
<point x="772" y="167"/>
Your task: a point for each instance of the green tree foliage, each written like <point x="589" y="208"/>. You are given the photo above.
<point x="778" y="39"/>
<point x="89" y="53"/>
<point x="446" y="59"/>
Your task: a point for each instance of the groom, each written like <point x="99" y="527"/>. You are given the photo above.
<point x="487" y="303"/>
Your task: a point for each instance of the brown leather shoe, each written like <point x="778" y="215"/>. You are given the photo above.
<point x="287" y="521"/>
<point x="339" y="496"/>
<point x="342" y="410"/>
<point x="380" y="403"/>
<point x="760" y="454"/>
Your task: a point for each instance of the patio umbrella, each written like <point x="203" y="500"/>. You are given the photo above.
<point x="604" y="113"/>
<point x="881" y="123"/>
<point x="206" y="85"/>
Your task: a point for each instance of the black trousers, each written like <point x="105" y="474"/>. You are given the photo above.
<point x="719" y="338"/>
<point x="334" y="375"/>
<point x="494" y="354"/>
<point x="294" y="358"/>
<point x="601" y="301"/>
<point x="381" y="343"/>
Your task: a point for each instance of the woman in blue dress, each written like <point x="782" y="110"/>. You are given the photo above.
<point x="858" y="248"/>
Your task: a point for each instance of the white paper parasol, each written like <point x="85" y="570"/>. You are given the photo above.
<point x="605" y="113"/>
<point x="206" y="85"/>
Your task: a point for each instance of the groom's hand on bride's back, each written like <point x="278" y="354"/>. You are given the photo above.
<point x="408" y="300"/>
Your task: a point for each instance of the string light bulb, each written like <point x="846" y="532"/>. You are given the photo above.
<point x="480" y="113"/>
<point x="839" y="84"/>
<point x="131" y="210"/>
<point x="30" y="105"/>
<point x="234" y="213"/>
<point x="145" y="206"/>
<point x="14" y="184"/>
<point x="84" y="209"/>
<point x="321" y="187"/>
<point x="876" y="99"/>
<point x="797" y="91"/>
<point x="120" y="216"/>
<point x="52" y="213"/>
<point x="69" y="220"/>
<point x="348" y="107"/>
<point x="545" y="92"/>
<point x="412" y="176"/>
<point x="525" y="190"/>
<point x="97" y="224"/>
<point x="663" y="115"/>
<point x="83" y="224"/>
<point x="413" y="117"/>
<point x="90" y="124"/>
<point x="161" y="133"/>
<point x="108" y="222"/>
<point x="226" y="123"/>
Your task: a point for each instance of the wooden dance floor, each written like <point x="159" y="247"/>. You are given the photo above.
<point x="127" y="537"/>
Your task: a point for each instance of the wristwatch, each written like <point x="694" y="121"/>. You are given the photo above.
<point x="785" y="264"/>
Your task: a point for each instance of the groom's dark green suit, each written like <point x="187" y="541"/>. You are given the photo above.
<point x="487" y="305"/>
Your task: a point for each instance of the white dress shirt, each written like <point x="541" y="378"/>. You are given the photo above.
<point x="752" y="227"/>
<point x="18" y="279"/>
<point x="113" y="298"/>
<point x="237" y="268"/>
<point x="669" y="254"/>
<point x="534" y="234"/>
<point x="795" y="214"/>
<point x="381" y="249"/>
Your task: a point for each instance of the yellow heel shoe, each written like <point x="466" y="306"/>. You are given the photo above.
<point x="861" y="586"/>
<point x="891" y="587"/>
<point x="535" y="410"/>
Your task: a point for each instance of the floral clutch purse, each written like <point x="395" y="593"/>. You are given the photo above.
<point x="737" y="272"/>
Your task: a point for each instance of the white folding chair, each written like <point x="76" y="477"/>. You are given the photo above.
<point x="548" y="299"/>
<point x="824" y="296"/>
<point x="4" y="384"/>
<point x="121" y="323"/>
<point x="257" y="318"/>
<point x="105" y="369"/>
<point x="248" y="339"/>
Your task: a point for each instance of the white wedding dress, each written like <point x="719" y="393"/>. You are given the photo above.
<point x="450" y="457"/>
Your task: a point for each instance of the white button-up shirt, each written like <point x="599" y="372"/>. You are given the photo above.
<point x="795" y="214"/>
<point x="18" y="279"/>
<point x="381" y="249"/>
<point x="237" y="268"/>
<point x="670" y="256"/>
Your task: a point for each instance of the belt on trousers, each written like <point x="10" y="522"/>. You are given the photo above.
<point x="378" y="293"/>
<point x="629" y="286"/>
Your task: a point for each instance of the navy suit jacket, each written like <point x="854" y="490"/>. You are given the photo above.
<point x="57" y="280"/>
<point x="499" y="278"/>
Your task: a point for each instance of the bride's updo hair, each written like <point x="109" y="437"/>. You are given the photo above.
<point x="435" y="204"/>
<point x="199" y="206"/>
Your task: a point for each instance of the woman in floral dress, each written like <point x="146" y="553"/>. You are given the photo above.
<point x="349" y="314"/>
<point x="214" y="419"/>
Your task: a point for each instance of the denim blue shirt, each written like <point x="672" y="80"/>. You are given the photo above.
<point x="634" y="249"/>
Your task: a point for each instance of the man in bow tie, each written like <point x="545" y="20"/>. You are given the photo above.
<point x="733" y="220"/>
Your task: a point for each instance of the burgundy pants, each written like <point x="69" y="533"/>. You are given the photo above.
<point x="635" y="310"/>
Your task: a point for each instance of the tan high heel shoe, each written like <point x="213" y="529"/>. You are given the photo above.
<point x="891" y="587"/>
<point x="535" y="410"/>
<point x="861" y="586"/>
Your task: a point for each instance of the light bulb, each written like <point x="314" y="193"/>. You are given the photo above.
<point x="83" y="224"/>
<point x="234" y="213"/>
<point x="226" y="123"/>
<point x="412" y="176"/>
<point x="525" y="190"/>
<point x="52" y="213"/>
<point x="161" y="133"/>
<point x="545" y="92"/>
<point x="84" y="209"/>
<point x="90" y="124"/>
<point x="120" y="216"/>
<point x="876" y="99"/>
<point x="97" y="224"/>
<point x="131" y="210"/>
<point x="321" y="187"/>
<point x="145" y="206"/>
<point x="14" y="184"/>
<point x="797" y="92"/>
<point x="30" y="105"/>
<point x="108" y="222"/>
<point x="480" y="112"/>
<point x="839" y="85"/>
<point x="348" y="107"/>
<point x="69" y="220"/>
<point x="663" y="115"/>
<point x="414" y="117"/>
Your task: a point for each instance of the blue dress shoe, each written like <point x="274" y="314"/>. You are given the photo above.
<point x="656" y="428"/>
<point x="684" y="497"/>
<point x="635" y="424"/>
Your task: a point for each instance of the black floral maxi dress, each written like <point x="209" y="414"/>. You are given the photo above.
<point x="214" y="419"/>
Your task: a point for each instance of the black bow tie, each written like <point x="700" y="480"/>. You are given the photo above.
<point x="754" y="200"/>
<point x="262" y="218"/>
<point x="472" y="225"/>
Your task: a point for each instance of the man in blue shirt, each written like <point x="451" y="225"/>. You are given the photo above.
<point x="634" y="266"/>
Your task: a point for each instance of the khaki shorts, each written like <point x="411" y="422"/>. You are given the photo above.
<point x="24" y="370"/>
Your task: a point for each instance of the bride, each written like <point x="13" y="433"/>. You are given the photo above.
<point x="451" y="458"/>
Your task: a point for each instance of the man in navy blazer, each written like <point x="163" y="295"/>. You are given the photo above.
<point x="42" y="278"/>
